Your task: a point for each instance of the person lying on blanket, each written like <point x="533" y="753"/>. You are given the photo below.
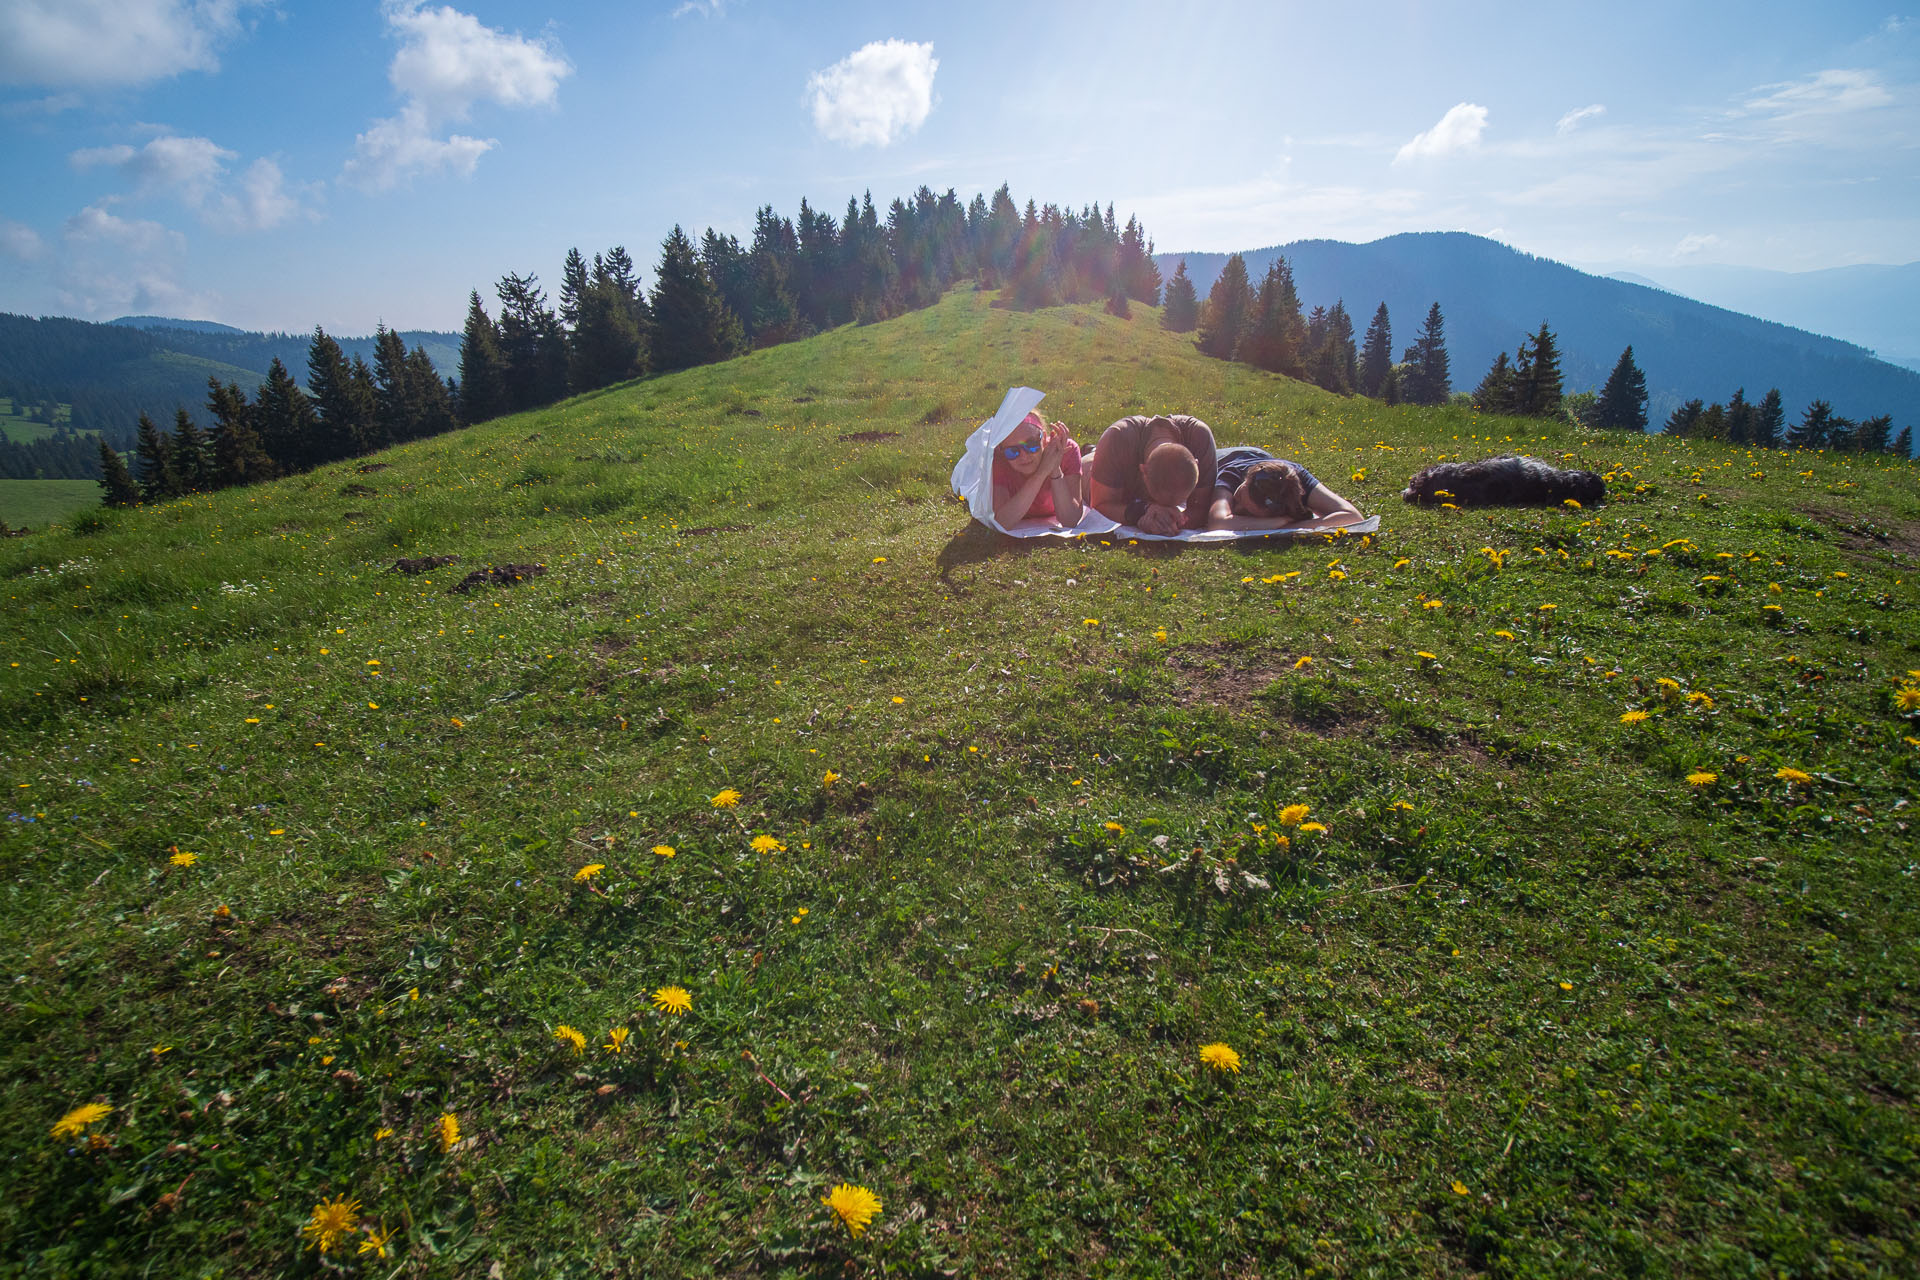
<point x="1156" y="474"/>
<point x="1256" y="491"/>
<point x="1036" y="474"/>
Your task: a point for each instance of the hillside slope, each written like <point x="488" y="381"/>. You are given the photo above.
<point x="1523" y="892"/>
<point x="1493" y="296"/>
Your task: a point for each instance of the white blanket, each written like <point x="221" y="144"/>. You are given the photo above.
<point x="973" y="480"/>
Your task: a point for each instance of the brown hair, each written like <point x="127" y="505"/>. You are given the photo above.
<point x="1275" y="488"/>
<point x="1170" y="473"/>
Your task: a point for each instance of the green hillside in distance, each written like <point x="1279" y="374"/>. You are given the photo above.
<point x="1524" y="892"/>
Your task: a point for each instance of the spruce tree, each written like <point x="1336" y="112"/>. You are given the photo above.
<point x="1229" y="304"/>
<point x="1811" y="431"/>
<point x="428" y="398"/>
<point x="533" y="346"/>
<point x="285" y="418"/>
<point x="1903" y="445"/>
<point x="192" y="468"/>
<point x="606" y="345"/>
<point x="238" y="456"/>
<point x="1681" y="421"/>
<point x="1340" y="337"/>
<point x="1739" y="418"/>
<point x="1376" y="353"/>
<point x="1495" y="392"/>
<point x="117" y="487"/>
<point x="691" y="325"/>
<point x="1767" y="423"/>
<point x="1427" y="379"/>
<point x="1274" y="337"/>
<point x="483" y="392"/>
<point x="342" y="405"/>
<point x="573" y="283"/>
<point x="1537" y="388"/>
<point x="1711" y="424"/>
<point x="153" y="458"/>
<point x="1138" y="276"/>
<point x="1872" y="435"/>
<point x="395" y="415"/>
<point x="1182" y="312"/>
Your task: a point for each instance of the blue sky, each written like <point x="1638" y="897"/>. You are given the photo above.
<point x="277" y="165"/>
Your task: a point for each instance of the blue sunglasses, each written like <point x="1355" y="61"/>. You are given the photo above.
<point x="1012" y="451"/>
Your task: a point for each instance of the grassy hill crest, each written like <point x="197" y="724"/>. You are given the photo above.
<point x="358" y="908"/>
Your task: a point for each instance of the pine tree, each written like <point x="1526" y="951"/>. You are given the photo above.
<point x="1903" y="445"/>
<point x="238" y="456"/>
<point x="573" y="283"/>
<point x="342" y="405"/>
<point x="428" y="397"/>
<point x="606" y="345"/>
<point x="1427" y="380"/>
<point x="1495" y="392"/>
<point x="1340" y="336"/>
<point x="286" y="421"/>
<point x="691" y="325"/>
<point x="395" y="416"/>
<point x="1711" y="424"/>
<point x="153" y="457"/>
<point x="1376" y="354"/>
<point x="533" y="346"/>
<point x="1682" y="420"/>
<point x="483" y="392"/>
<point x="1770" y="419"/>
<point x="1138" y="276"/>
<point x="192" y="468"/>
<point x="1739" y="418"/>
<point x="1228" y="305"/>
<point x="1811" y="431"/>
<point x="117" y="488"/>
<point x="1273" y="336"/>
<point x="1537" y="390"/>
<point x="1182" y="312"/>
<point x="1872" y="435"/>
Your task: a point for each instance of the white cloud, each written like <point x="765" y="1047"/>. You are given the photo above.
<point x="1458" y="130"/>
<point x="1573" y="119"/>
<point x="1693" y="245"/>
<point x="705" y="8"/>
<point x="97" y="43"/>
<point x="875" y="95"/>
<point x="21" y="242"/>
<point x="194" y="171"/>
<point x="95" y="226"/>
<point x="447" y="63"/>
<point x="109" y="265"/>
<point x="1823" y="93"/>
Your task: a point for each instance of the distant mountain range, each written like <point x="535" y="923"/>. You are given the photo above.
<point x="1493" y="296"/>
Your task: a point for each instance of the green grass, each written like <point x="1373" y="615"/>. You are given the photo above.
<point x="1532" y="1004"/>
<point x="22" y="429"/>
<point x="38" y="503"/>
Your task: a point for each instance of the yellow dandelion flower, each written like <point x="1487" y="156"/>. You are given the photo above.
<point x="726" y="799"/>
<point x="1424" y="656"/>
<point x="766" y="844"/>
<point x="1907" y="698"/>
<point x="1116" y="828"/>
<point x="1570" y="504"/>
<point x="1312" y="826"/>
<point x="829" y="778"/>
<point x="588" y="872"/>
<point x="1566" y="986"/>
<point x="184" y="859"/>
<point x="80" y="1119"/>
<point x="1702" y="778"/>
<point x="1789" y="774"/>
<point x="898" y="701"/>
<point x="1504" y="635"/>
<point x="1632" y="717"/>
<point x="1089" y="622"/>
<point x="1458" y="1188"/>
<point x="617" y="1040"/>
<point x="1161" y="635"/>
<point x="1434" y="604"/>
<point x="376" y="1241"/>
<point x="665" y="850"/>
<point x="330" y="1220"/>
<point x="448" y="1127"/>
<point x="1700" y="700"/>
<point x="674" y="1000"/>
<point x="1304" y="660"/>
<point x="1294" y="814"/>
<point x="1220" y="1058"/>
<point x="373" y="706"/>
<point x="855" y="1206"/>
<point x="879" y="559"/>
<point x="1401" y="563"/>
<point x="567" y="1035"/>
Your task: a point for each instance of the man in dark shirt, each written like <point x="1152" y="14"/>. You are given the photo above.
<point x="1155" y="473"/>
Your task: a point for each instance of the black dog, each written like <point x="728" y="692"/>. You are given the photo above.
<point x="1509" y="481"/>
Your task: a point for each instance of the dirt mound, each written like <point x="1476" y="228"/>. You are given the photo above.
<point x="422" y="564"/>
<point x="868" y="437"/>
<point x="504" y="575"/>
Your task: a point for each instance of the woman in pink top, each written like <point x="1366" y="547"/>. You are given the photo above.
<point x="1036" y="474"/>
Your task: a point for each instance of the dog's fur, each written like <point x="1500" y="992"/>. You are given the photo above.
<point x="1508" y="481"/>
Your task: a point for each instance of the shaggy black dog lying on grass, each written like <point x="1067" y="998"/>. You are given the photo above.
<point x="1509" y="481"/>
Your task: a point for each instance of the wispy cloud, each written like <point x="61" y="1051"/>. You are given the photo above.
<point x="875" y="95"/>
<point x="108" y="265"/>
<point x="21" y="243"/>
<point x="1458" y="130"/>
<point x="1573" y="119"/>
<point x="1823" y="93"/>
<point x="705" y="8"/>
<point x="194" y="171"/>
<point x="447" y="63"/>
<point x="103" y="43"/>
<point x="1694" y="245"/>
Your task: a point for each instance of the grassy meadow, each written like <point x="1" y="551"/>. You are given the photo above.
<point x="38" y="503"/>
<point x="1547" y="875"/>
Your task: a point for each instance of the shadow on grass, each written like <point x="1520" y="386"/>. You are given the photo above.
<point x="977" y="544"/>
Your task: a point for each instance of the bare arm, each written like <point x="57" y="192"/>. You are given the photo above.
<point x="1328" y="511"/>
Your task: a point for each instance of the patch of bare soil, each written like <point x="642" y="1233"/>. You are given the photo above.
<point x="607" y="646"/>
<point x="414" y="565"/>
<point x="503" y="575"/>
<point x="1868" y="538"/>
<point x="702" y="531"/>
<point x="357" y="490"/>
<point x="366" y="467"/>
<point x="868" y="437"/>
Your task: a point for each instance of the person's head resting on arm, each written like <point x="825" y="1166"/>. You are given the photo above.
<point x="1271" y="491"/>
<point x="1169" y="472"/>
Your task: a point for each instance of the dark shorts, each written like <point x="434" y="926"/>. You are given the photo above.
<point x="1236" y="459"/>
